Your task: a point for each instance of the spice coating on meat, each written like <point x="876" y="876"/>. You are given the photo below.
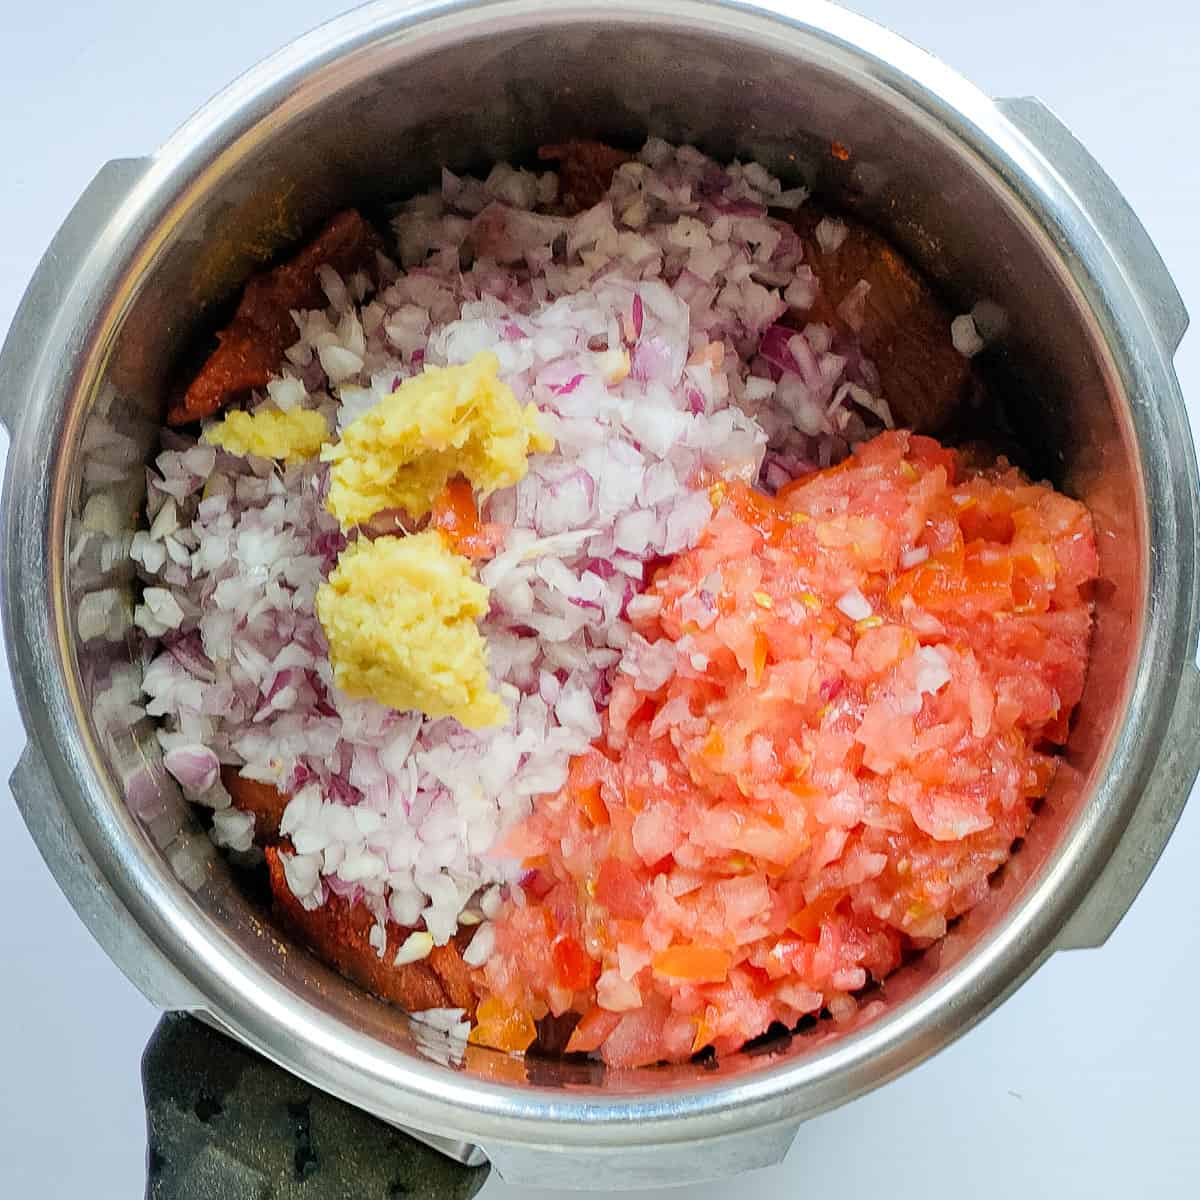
<point x="585" y="170"/>
<point x="250" y="348"/>
<point x="905" y="328"/>
<point x="261" y="799"/>
<point x="338" y="933"/>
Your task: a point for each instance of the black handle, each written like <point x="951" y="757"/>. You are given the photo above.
<point x="225" y="1124"/>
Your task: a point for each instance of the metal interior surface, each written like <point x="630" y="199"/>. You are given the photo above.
<point x="367" y="111"/>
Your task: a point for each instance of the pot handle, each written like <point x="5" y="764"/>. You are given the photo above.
<point x="1166" y="794"/>
<point x="630" y="1167"/>
<point x="54" y="277"/>
<point x="1108" y="210"/>
<point x="1162" y="804"/>
<point x="89" y="893"/>
<point x="1149" y="828"/>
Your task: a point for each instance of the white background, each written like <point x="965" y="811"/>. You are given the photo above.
<point x="1081" y="1086"/>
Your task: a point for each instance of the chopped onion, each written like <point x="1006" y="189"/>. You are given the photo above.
<point x="830" y="234"/>
<point x="482" y="945"/>
<point x="414" y="948"/>
<point x="854" y="605"/>
<point x="965" y="336"/>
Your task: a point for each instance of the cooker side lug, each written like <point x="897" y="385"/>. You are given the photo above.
<point x="89" y="893"/>
<point x="54" y="277"/>
<point x="466" y="1153"/>
<point x="1151" y="826"/>
<point x="1110" y="212"/>
<point x="623" y="1168"/>
<point x="1174" y="773"/>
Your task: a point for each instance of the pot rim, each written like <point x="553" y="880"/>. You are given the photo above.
<point x="241" y="994"/>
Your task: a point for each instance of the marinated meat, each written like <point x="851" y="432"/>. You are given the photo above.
<point x="905" y="329"/>
<point x="261" y="799"/>
<point x="453" y="974"/>
<point x="338" y="933"/>
<point x="585" y="170"/>
<point x="250" y="349"/>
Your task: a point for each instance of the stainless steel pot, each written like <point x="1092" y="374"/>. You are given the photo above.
<point x="995" y="200"/>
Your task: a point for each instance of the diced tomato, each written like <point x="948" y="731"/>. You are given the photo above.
<point x="592" y="805"/>
<point x="638" y="1038"/>
<point x="823" y="790"/>
<point x="808" y="921"/>
<point x="574" y="969"/>
<point x="592" y="1031"/>
<point x="752" y="508"/>
<point x="693" y="964"/>
<point x="928" y="453"/>
<point x="621" y="891"/>
<point x="584" y="781"/>
<point x="456" y="515"/>
<point x="501" y="1027"/>
<point x="707" y="1025"/>
<point x="987" y="571"/>
<point x="536" y="883"/>
<point x="1039" y="774"/>
<point x="989" y="519"/>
